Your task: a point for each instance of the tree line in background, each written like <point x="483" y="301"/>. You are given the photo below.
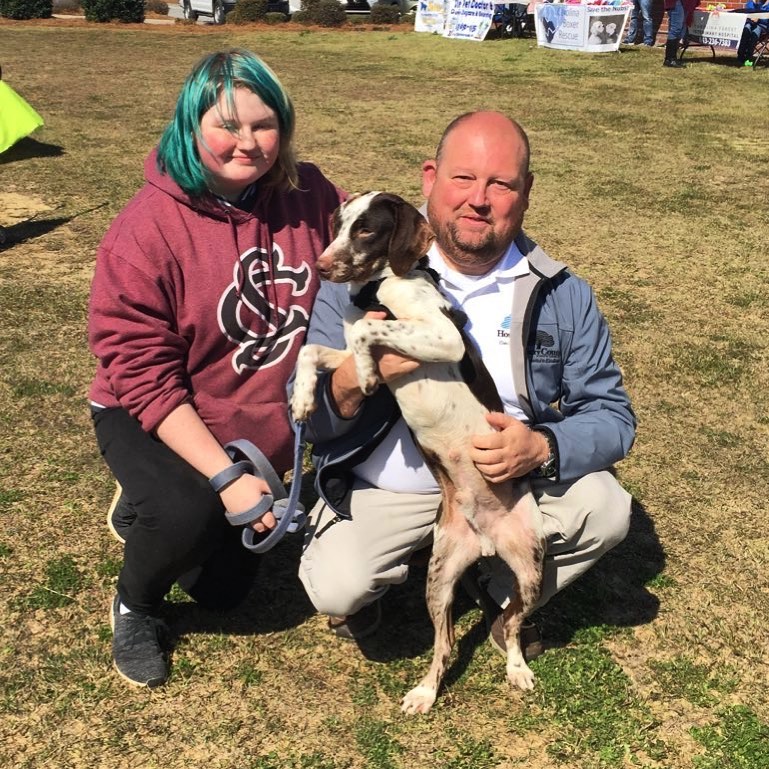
<point x="129" y="11"/>
<point x="26" y="9"/>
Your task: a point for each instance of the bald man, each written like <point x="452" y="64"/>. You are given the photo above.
<point x="544" y="341"/>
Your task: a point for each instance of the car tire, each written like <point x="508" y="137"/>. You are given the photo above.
<point x="187" y="11"/>
<point x="219" y="12"/>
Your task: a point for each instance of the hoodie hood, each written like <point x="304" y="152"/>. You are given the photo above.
<point x="208" y="203"/>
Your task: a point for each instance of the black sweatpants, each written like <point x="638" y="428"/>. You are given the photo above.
<point x="180" y="533"/>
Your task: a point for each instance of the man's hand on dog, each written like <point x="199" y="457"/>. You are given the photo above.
<point x="512" y="451"/>
<point x="345" y="387"/>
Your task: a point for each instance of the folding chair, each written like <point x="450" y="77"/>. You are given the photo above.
<point x="512" y="20"/>
<point x="761" y="45"/>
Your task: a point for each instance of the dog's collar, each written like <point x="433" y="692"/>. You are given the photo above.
<point x="436" y="278"/>
<point x="367" y="299"/>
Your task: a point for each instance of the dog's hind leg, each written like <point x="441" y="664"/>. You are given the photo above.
<point x="522" y="549"/>
<point x="455" y="547"/>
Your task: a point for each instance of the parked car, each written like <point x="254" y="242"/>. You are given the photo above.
<point x="361" y="6"/>
<point x="216" y="9"/>
<point x="352" y="6"/>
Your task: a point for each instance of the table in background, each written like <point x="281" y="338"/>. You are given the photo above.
<point x="722" y="29"/>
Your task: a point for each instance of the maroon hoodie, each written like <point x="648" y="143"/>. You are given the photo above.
<point x="196" y="301"/>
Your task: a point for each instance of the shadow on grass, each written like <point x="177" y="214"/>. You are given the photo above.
<point x="27" y="230"/>
<point x="702" y="55"/>
<point x="277" y="601"/>
<point x="28" y="148"/>
<point x="612" y="594"/>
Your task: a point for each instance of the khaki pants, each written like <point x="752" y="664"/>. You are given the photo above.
<point x="348" y="564"/>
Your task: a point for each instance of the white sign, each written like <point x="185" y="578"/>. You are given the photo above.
<point x="469" y="19"/>
<point x="463" y="19"/>
<point x="721" y="29"/>
<point x="593" y="28"/>
<point x="431" y="16"/>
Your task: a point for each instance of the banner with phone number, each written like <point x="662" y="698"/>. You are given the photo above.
<point x="463" y="19"/>
<point x="720" y="29"/>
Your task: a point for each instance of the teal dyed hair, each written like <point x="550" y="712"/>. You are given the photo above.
<point x="218" y="73"/>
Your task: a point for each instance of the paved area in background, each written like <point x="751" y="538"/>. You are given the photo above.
<point x="174" y="12"/>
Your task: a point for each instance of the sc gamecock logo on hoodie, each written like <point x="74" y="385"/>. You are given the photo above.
<point x="251" y="315"/>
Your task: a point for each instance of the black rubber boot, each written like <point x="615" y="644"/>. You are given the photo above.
<point x="671" y="55"/>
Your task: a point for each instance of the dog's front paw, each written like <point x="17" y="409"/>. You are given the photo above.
<point x="520" y="676"/>
<point x="368" y="378"/>
<point x="419" y="700"/>
<point x="370" y="385"/>
<point x="302" y="405"/>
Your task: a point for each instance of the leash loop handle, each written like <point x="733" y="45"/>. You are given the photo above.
<point x="287" y="509"/>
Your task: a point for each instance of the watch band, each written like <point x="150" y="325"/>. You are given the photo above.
<point x="549" y="468"/>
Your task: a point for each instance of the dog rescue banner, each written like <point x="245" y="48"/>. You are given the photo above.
<point x="576" y="27"/>
<point x="431" y="16"/>
<point x="714" y="28"/>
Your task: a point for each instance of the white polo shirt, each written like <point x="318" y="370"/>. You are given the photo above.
<point x="396" y="464"/>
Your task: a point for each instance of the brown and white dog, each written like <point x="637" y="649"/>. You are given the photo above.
<point x="379" y="236"/>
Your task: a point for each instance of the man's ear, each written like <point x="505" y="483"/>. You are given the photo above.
<point x="527" y="185"/>
<point x="411" y="236"/>
<point x="429" y="169"/>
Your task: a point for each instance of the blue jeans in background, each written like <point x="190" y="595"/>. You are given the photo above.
<point x="644" y="9"/>
<point x="676" y="19"/>
<point x="750" y="35"/>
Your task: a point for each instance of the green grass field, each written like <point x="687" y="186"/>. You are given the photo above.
<point x="650" y="183"/>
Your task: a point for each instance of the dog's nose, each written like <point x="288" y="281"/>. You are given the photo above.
<point x="324" y="264"/>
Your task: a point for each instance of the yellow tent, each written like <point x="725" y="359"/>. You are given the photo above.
<point x="17" y="118"/>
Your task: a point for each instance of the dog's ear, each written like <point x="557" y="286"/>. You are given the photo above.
<point x="411" y="236"/>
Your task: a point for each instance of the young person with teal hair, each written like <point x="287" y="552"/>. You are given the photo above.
<point x="200" y="300"/>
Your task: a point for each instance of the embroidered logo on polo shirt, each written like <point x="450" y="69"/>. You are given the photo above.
<point x="503" y="332"/>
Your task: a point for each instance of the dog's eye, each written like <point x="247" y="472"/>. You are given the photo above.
<point x="363" y="233"/>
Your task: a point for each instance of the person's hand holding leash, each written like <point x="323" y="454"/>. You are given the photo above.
<point x="243" y="494"/>
<point x="511" y="452"/>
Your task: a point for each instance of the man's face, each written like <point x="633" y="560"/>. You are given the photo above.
<point x="477" y="192"/>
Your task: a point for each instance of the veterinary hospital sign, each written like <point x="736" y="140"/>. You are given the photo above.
<point x="721" y="29"/>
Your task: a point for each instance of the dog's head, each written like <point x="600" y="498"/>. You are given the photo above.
<point x="375" y="234"/>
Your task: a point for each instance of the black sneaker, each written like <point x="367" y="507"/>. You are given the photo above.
<point x="120" y="515"/>
<point x="138" y="647"/>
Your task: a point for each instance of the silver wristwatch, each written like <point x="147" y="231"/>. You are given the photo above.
<point x="549" y="468"/>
